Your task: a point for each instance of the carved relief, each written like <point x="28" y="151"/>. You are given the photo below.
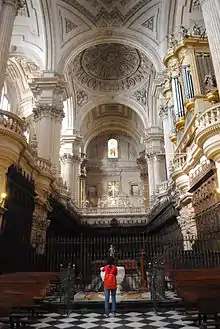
<point x="23" y="11"/>
<point x="69" y="25"/>
<point x="40" y="224"/>
<point x="206" y="196"/>
<point x="149" y="24"/>
<point x="186" y="220"/>
<point x="81" y="97"/>
<point x="110" y="67"/>
<point x="140" y="96"/>
<point x="30" y="69"/>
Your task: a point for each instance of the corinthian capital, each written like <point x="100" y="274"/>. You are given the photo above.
<point x="48" y="111"/>
<point x="17" y="4"/>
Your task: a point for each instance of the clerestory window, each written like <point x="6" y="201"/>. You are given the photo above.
<point x="112" y="148"/>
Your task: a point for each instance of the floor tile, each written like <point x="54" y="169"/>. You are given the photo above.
<point x="170" y="319"/>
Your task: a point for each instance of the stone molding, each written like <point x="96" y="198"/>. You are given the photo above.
<point x="17" y="4"/>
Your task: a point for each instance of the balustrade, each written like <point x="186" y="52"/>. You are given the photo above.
<point x="44" y="164"/>
<point x="12" y="122"/>
<point x="179" y="161"/>
<point x="199" y="172"/>
<point x="113" y="210"/>
<point x="208" y="118"/>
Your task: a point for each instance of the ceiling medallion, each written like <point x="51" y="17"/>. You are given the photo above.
<point x="110" y="67"/>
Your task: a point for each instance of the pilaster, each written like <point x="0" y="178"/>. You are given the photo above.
<point x="48" y="115"/>
<point x="7" y="16"/>
<point x="211" y="15"/>
<point x="143" y="166"/>
<point x="169" y="151"/>
<point x="159" y="169"/>
<point x="150" y="166"/>
<point x="71" y="164"/>
<point x="155" y="156"/>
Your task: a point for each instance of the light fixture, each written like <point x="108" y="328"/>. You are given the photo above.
<point x="3" y="196"/>
<point x="2" y="208"/>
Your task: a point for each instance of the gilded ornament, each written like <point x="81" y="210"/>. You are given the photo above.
<point x="180" y="123"/>
<point x="173" y="138"/>
<point x="190" y="105"/>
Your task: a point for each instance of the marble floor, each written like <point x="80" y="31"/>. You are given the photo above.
<point x="99" y="296"/>
<point x="88" y="320"/>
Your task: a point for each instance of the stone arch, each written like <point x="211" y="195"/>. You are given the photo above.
<point x="106" y="128"/>
<point x="87" y="40"/>
<point x="135" y="106"/>
<point x="31" y="33"/>
<point x="20" y="70"/>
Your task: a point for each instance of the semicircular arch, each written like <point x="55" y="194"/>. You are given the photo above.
<point x="147" y="46"/>
<point x="135" y="106"/>
<point x="104" y="127"/>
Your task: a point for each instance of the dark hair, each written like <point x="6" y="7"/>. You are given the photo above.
<point x="110" y="261"/>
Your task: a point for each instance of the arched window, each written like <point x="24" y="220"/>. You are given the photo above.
<point x="4" y="103"/>
<point x="112" y="148"/>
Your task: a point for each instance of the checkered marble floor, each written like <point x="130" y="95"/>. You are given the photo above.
<point x="148" y="320"/>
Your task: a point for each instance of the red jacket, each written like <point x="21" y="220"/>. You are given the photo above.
<point x="113" y="270"/>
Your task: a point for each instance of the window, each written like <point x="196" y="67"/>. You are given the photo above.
<point x="113" y="189"/>
<point x="113" y="148"/>
<point x="4" y="103"/>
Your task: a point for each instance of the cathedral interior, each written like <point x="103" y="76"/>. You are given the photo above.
<point x="110" y="135"/>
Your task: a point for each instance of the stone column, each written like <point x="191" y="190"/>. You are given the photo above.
<point x="211" y="15"/>
<point x="159" y="169"/>
<point x="71" y="161"/>
<point x="7" y="16"/>
<point x="48" y="115"/>
<point x="82" y="188"/>
<point x="144" y="193"/>
<point x="169" y="152"/>
<point x="67" y="161"/>
<point x="151" y="177"/>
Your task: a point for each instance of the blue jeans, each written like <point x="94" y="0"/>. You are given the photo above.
<point x="107" y="296"/>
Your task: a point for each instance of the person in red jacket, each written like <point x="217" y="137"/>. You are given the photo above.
<point x="110" y="285"/>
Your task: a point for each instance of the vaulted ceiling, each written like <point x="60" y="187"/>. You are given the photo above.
<point x="110" y="51"/>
